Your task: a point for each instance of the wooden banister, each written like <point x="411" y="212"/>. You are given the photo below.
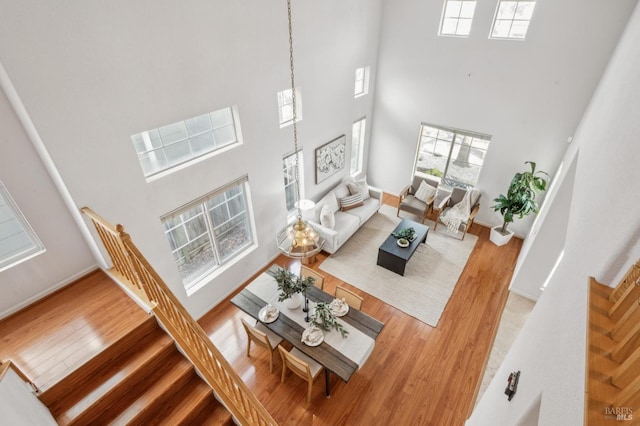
<point x="631" y="277"/>
<point x="137" y="274"/>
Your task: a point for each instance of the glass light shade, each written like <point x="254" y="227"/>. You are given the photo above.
<point x="299" y="240"/>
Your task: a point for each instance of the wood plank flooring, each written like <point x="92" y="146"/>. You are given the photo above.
<point x="416" y="375"/>
<point x="57" y="334"/>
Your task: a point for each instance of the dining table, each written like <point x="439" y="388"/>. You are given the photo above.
<point x="340" y="355"/>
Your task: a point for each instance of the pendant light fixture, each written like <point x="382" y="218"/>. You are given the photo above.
<point x="298" y="240"/>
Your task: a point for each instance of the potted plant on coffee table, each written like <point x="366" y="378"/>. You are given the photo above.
<point x="291" y="287"/>
<point x="520" y="201"/>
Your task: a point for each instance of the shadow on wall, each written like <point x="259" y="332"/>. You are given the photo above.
<point x="619" y="263"/>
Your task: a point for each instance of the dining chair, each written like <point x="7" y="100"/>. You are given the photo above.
<point x="303" y="366"/>
<point x="308" y="272"/>
<point x="262" y="336"/>
<point x="350" y="297"/>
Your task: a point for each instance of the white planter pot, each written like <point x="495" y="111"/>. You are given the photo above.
<point x="294" y="301"/>
<point x="498" y="238"/>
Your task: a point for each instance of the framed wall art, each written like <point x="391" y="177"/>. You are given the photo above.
<point x="330" y="158"/>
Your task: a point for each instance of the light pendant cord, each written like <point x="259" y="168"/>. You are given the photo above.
<point x="295" y="118"/>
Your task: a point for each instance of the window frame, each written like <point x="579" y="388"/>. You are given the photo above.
<point x="202" y="204"/>
<point x="281" y="104"/>
<point x="362" y="122"/>
<point x="443" y="182"/>
<point x="190" y="139"/>
<point x="357" y="93"/>
<point x="291" y="212"/>
<point x="458" y="19"/>
<point x="512" y="20"/>
<point x="15" y="214"/>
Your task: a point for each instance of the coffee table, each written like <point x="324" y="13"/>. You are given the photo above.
<point x="393" y="257"/>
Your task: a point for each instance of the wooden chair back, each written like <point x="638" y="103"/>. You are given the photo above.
<point x="350" y="297"/>
<point x="260" y="339"/>
<point x="308" y="272"/>
<point x="299" y="367"/>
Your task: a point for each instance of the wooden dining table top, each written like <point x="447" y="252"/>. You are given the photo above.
<point x="291" y="331"/>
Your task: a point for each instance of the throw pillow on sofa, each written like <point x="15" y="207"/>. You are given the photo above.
<point x="351" y="202"/>
<point x="359" y="186"/>
<point x="327" y="218"/>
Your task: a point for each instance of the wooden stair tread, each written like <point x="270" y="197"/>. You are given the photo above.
<point x="116" y="378"/>
<point x="154" y="393"/>
<point x="187" y="404"/>
<point x="77" y="378"/>
<point x="214" y="413"/>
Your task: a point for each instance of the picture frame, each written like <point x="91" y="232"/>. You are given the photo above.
<point x="330" y="158"/>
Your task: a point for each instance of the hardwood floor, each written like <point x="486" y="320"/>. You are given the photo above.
<point x="416" y="375"/>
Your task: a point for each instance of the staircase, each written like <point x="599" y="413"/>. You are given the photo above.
<point x="141" y="379"/>
<point x="613" y="352"/>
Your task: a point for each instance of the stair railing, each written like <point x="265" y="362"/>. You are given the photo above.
<point x="137" y="274"/>
<point x="613" y="350"/>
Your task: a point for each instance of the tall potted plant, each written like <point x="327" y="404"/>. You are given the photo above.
<point x="520" y="201"/>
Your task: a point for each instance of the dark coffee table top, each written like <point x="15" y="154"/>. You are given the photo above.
<point x="391" y="246"/>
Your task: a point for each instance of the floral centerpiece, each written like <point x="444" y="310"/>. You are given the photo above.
<point x="290" y="284"/>
<point x="323" y="318"/>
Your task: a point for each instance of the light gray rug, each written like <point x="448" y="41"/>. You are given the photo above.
<point x="430" y="276"/>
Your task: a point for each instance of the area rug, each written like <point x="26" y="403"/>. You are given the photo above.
<point x="430" y="276"/>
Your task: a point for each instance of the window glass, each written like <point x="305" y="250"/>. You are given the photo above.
<point x="176" y="143"/>
<point x="512" y="19"/>
<point x="457" y="17"/>
<point x="18" y="241"/>
<point x="285" y="106"/>
<point x="209" y="232"/>
<point x="357" y="145"/>
<point x="361" y="82"/>
<point x="290" y="180"/>
<point x="454" y="157"/>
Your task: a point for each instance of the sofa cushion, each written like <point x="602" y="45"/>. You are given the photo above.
<point x="328" y="200"/>
<point x="351" y="202"/>
<point x="341" y="191"/>
<point x="327" y="217"/>
<point x="366" y="210"/>
<point x="346" y="225"/>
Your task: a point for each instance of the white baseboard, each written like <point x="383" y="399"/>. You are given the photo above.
<point x="524" y="294"/>
<point x="48" y="291"/>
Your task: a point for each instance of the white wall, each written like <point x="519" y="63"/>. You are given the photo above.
<point x="67" y="255"/>
<point x="19" y="405"/>
<point x="529" y="95"/>
<point x="605" y="215"/>
<point x="90" y="74"/>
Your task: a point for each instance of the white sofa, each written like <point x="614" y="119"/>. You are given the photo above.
<point x="346" y="222"/>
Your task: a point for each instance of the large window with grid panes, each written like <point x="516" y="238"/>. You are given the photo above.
<point x="210" y="231"/>
<point x="178" y="143"/>
<point x="453" y="157"/>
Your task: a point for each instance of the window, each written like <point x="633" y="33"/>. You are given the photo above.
<point x="357" y="145"/>
<point x="174" y="144"/>
<point x="453" y="156"/>
<point x="290" y="180"/>
<point x="362" y="82"/>
<point x="512" y="19"/>
<point x="18" y="242"/>
<point x="457" y="17"/>
<point x="285" y="106"/>
<point x="210" y="231"/>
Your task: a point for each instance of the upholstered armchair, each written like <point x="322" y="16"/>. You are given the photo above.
<point x="457" y="194"/>
<point x="410" y="204"/>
